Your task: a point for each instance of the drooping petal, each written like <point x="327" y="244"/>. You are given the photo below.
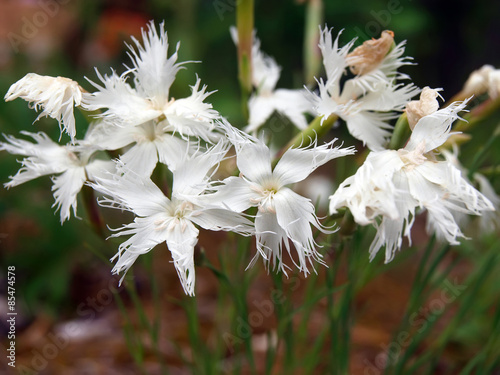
<point x="433" y="197"/>
<point x="371" y="191"/>
<point x="292" y="104"/>
<point x="489" y="221"/>
<point x="295" y="214"/>
<point x="270" y="239"/>
<point x="391" y="229"/>
<point x="108" y="136"/>
<point x="389" y="234"/>
<point x="146" y="233"/>
<point x="66" y="187"/>
<point x="57" y="96"/>
<point x="181" y="240"/>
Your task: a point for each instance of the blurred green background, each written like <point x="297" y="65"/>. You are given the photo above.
<point x="447" y="39"/>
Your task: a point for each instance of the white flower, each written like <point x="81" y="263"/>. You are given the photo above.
<point x="145" y="144"/>
<point x="489" y="221"/>
<point x="153" y="73"/>
<point x="70" y="166"/>
<point x="292" y="104"/>
<point x="494" y="84"/>
<point x="482" y="80"/>
<point x="283" y="216"/>
<point x="367" y="101"/>
<point x="160" y="219"/>
<point x="389" y="187"/>
<point x="57" y="96"/>
<point x="477" y="83"/>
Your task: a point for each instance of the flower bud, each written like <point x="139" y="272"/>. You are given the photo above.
<point x="428" y="104"/>
<point x="370" y="54"/>
<point x="477" y="83"/>
<point x="494" y="84"/>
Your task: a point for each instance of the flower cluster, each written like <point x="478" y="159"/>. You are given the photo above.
<point x="138" y="127"/>
<point x="391" y="184"/>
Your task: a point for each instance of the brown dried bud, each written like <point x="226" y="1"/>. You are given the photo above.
<point x="416" y="109"/>
<point x="370" y="54"/>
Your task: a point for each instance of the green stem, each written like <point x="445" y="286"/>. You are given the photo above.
<point x="245" y="24"/>
<point x="312" y="54"/>
<point x="483" y="151"/>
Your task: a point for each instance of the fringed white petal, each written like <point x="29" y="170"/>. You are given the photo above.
<point x="298" y="163"/>
<point x="124" y="105"/>
<point x="131" y="192"/>
<point x="371" y="191"/>
<point x="292" y="104"/>
<point x="57" y="96"/>
<point x="334" y="59"/>
<point x="235" y="193"/>
<point x="43" y="158"/>
<point x="434" y="129"/>
<point x="372" y="128"/>
<point x="181" y="241"/>
<point x="66" y="187"/>
<point x="217" y="219"/>
<point x="141" y="158"/>
<point x="154" y="72"/>
<point x="295" y="215"/>
<point x="194" y="106"/>
<point x="145" y="235"/>
<point x="270" y="239"/>
<point x="193" y="172"/>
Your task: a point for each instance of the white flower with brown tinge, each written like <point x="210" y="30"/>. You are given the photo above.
<point x="160" y="219"/>
<point x="389" y="187"/>
<point x="366" y="102"/>
<point x="283" y="216"/>
<point x="57" y="96"/>
<point x="70" y="167"/>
